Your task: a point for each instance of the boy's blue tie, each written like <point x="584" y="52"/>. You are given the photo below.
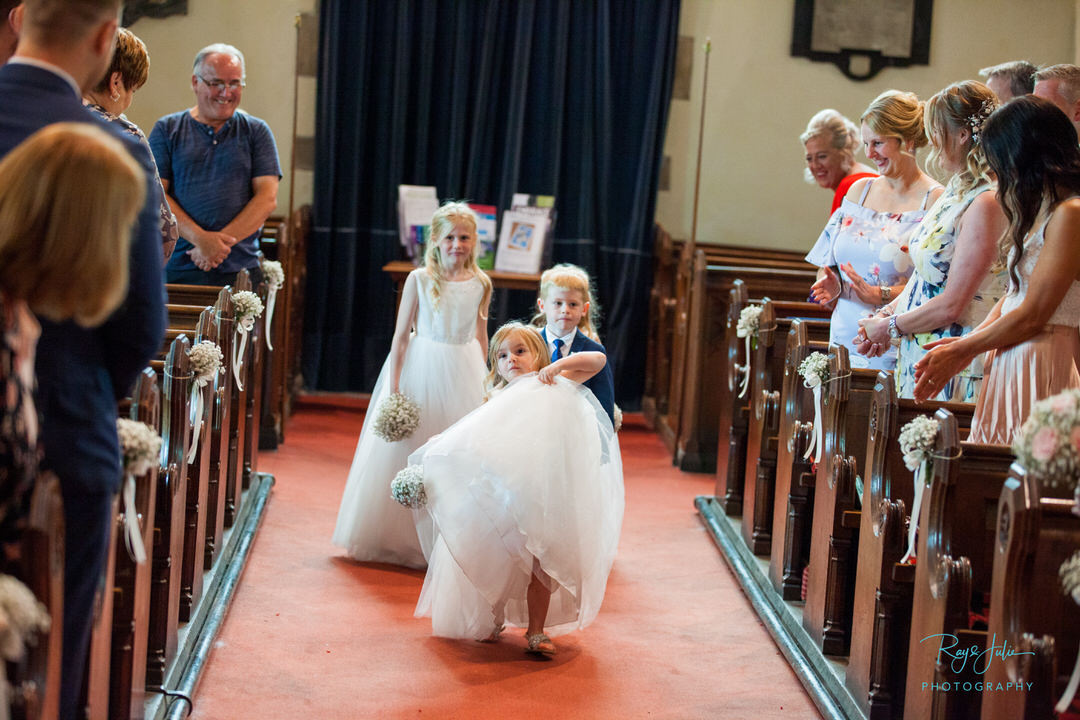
<point x="557" y="352"/>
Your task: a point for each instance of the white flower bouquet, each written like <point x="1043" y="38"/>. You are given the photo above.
<point x="618" y="418"/>
<point x="407" y="487"/>
<point x="917" y="439"/>
<point x="273" y="273"/>
<point x="1048" y="444"/>
<point x="397" y="418"/>
<point x="247" y="307"/>
<point x="21" y="616"/>
<point x="206" y="359"/>
<point x="1069" y="572"/>
<point x="749" y="322"/>
<point x="140" y="446"/>
<point x="815" y="369"/>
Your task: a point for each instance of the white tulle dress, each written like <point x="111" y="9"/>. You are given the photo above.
<point x="444" y="373"/>
<point x="531" y="479"/>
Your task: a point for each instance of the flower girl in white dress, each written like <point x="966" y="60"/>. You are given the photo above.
<point x="437" y="360"/>
<point x="527" y="497"/>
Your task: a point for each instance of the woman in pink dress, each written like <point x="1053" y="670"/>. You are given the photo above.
<point x="1031" y="335"/>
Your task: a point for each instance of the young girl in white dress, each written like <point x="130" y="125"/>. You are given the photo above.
<point x="527" y="497"/>
<point x="437" y="360"/>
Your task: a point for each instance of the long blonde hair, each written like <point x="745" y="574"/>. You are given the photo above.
<point x="532" y="339"/>
<point x="571" y="277"/>
<point x="64" y="242"/>
<point x="442" y="224"/>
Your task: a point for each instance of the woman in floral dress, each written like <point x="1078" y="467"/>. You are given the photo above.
<point x="956" y="280"/>
<point x="862" y="252"/>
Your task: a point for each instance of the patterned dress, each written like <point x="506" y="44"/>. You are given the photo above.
<point x="932" y="248"/>
<point x="20" y="452"/>
<point x="170" y="230"/>
<point x="875" y="244"/>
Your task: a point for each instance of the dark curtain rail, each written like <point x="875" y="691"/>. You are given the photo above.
<point x="484" y="98"/>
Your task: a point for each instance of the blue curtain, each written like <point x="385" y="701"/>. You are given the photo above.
<point x="484" y="98"/>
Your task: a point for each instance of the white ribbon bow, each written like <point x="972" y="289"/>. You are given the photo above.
<point x="818" y="443"/>
<point x="745" y="370"/>
<point x="916" y="510"/>
<point x="270" y="297"/>
<point x="243" y="327"/>
<point x="132" y="533"/>
<point x="196" y="416"/>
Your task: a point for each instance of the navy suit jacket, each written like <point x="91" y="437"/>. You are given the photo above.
<point x="602" y="383"/>
<point x="81" y="372"/>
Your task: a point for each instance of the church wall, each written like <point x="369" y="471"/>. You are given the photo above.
<point x="760" y="98"/>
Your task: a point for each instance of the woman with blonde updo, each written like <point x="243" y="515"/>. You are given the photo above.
<point x="862" y="251"/>
<point x="830" y="141"/>
<point x="436" y="360"/>
<point x="956" y="281"/>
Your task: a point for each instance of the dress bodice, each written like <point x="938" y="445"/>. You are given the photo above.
<point x="452" y="317"/>
<point x="1068" y="310"/>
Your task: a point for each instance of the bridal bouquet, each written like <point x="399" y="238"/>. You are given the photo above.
<point x="407" y="487"/>
<point x="397" y="418"/>
<point x="1048" y="444"/>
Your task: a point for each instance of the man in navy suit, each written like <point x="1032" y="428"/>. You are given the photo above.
<point x="563" y="309"/>
<point x="65" y="47"/>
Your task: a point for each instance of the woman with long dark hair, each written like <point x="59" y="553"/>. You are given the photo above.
<point x="1031" y="336"/>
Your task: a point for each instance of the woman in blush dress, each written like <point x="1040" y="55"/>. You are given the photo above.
<point x="1031" y="335"/>
<point x="862" y="252"/>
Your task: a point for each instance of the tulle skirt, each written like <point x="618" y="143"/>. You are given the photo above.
<point x="529" y="482"/>
<point x="1019" y="377"/>
<point x="446" y="381"/>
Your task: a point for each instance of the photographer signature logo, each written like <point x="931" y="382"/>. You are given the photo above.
<point x="978" y="656"/>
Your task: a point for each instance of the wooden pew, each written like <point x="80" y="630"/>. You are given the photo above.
<point x="690" y="321"/>
<point x="131" y="585"/>
<point x="175" y="376"/>
<point x="794" y="487"/>
<point x="953" y="570"/>
<point x="702" y="384"/>
<point x="835" y="531"/>
<point x="734" y="411"/>
<point x="882" y="610"/>
<point x="767" y="368"/>
<point x="35" y="681"/>
<point x="1028" y="611"/>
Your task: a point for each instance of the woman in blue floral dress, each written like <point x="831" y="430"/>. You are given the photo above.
<point x="862" y="251"/>
<point x="956" y="280"/>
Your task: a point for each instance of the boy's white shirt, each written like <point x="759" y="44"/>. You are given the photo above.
<point x="567" y="339"/>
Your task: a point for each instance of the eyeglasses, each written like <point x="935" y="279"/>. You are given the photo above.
<point x="219" y="85"/>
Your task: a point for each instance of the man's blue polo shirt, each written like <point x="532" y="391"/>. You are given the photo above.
<point x="210" y="173"/>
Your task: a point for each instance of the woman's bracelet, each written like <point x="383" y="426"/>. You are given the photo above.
<point x="886" y="293"/>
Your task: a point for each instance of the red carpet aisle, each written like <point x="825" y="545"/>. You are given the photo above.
<point x="311" y="636"/>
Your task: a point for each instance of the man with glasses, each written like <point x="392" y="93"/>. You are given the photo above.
<point x="219" y="166"/>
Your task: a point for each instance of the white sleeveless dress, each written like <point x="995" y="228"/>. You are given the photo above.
<point x="443" y="372"/>
<point x="1042" y="366"/>
<point x="530" y="481"/>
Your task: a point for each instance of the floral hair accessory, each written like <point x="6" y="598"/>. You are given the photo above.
<point x="976" y="119"/>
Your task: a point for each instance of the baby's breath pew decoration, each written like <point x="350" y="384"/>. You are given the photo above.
<point x="815" y="373"/>
<point x="206" y="359"/>
<point x="22" y="618"/>
<point x="917" y="440"/>
<point x="747" y="328"/>
<point x="407" y="487"/>
<point x="140" y="448"/>
<point x="397" y="418"/>
<point x="1070" y="581"/>
<point x="247" y="306"/>
<point x="274" y="276"/>
<point x="1048" y="444"/>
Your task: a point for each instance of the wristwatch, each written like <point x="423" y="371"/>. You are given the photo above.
<point x="894" y="333"/>
<point x="886" y="293"/>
